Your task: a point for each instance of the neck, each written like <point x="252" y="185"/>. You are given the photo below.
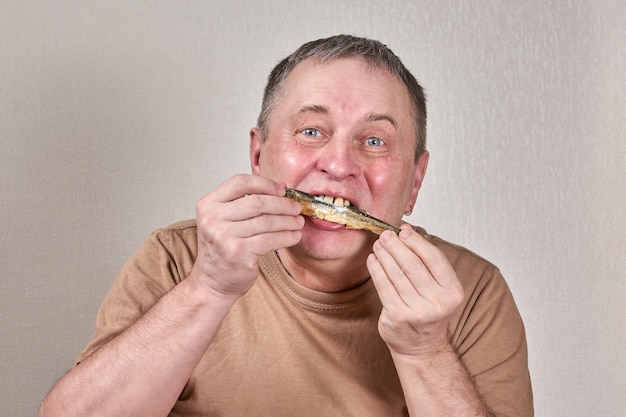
<point x="325" y="275"/>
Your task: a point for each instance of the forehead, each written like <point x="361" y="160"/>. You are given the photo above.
<point x="347" y="83"/>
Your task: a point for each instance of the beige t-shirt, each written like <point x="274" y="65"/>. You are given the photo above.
<point x="285" y="350"/>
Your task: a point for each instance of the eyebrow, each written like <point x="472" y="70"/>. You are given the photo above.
<point x="370" y="117"/>
<point x="314" y="108"/>
<point x="375" y="117"/>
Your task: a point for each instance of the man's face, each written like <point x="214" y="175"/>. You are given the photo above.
<point x="343" y="129"/>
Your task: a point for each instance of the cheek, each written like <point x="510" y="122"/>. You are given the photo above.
<point x="290" y="159"/>
<point x="390" y="185"/>
<point x="282" y="161"/>
<point x="381" y="179"/>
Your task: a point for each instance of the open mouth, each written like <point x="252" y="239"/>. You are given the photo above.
<point x="335" y="201"/>
<point x="337" y="210"/>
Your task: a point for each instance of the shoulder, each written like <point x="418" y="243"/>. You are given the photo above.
<point x="185" y="229"/>
<point x="460" y="257"/>
<point x="183" y="234"/>
<point x="169" y="250"/>
<point x="477" y="275"/>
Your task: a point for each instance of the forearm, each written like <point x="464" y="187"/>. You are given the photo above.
<point x="143" y="370"/>
<point x="438" y="384"/>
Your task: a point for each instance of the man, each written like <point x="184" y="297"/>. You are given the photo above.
<point x="254" y="310"/>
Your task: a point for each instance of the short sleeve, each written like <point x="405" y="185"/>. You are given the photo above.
<point x="490" y="339"/>
<point x="163" y="261"/>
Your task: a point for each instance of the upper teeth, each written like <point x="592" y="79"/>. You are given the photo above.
<point x="337" y="201"/>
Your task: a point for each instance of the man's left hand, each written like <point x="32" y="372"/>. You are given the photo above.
<point x="419" y="291"/>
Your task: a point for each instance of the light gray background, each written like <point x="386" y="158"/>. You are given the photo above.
<point x="116" y="116"/>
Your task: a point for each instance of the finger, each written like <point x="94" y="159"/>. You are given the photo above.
<point x="263" y="243"/>
<point x="245" y="207"/>
<point x="430" y="256"/>
<point x="436" y="282"/>
<point x="387" y="292"/>
<point x="266" y="223"/>
<point x="403" y="268"/>
<point x="253" y="205"/>
<point x="424" y="283"/>
<point x="243" y="184"/>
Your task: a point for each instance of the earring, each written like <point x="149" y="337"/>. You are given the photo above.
<point x="409" y="211"/>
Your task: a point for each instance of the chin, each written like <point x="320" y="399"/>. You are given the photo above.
<point x="335" y="245"/>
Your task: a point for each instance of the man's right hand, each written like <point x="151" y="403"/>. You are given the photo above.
<point x="242" y="219"/>
<point x="239" y="221"/>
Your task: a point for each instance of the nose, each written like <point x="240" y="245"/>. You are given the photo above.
<point x="338" y="159"/>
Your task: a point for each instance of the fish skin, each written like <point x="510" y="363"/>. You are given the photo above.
<point x="351" y="217"/>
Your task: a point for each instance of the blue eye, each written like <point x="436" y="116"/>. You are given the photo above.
<point x="311" y="132"/>
<point x="374" y="142"/>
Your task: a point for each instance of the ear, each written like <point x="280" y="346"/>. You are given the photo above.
<point x="256" y="143"/>
<point x="418" y="177"/>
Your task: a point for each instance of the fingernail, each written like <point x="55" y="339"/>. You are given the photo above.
<point x="404" y="233"/>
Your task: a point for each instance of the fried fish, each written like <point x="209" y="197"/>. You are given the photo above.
<point x="337" y="210"/>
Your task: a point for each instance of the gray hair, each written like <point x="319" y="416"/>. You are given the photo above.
<point x="344" y="46"/>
